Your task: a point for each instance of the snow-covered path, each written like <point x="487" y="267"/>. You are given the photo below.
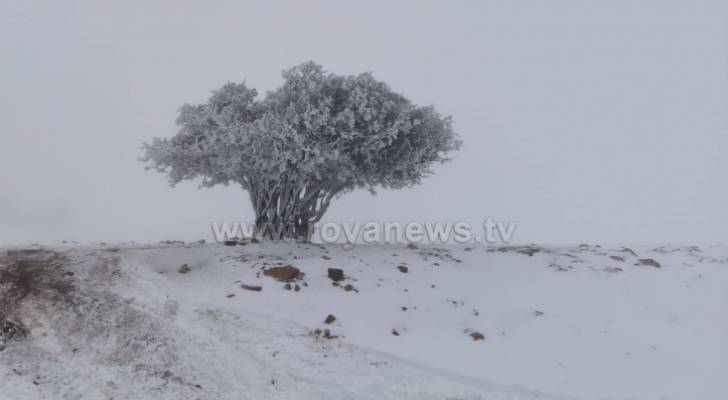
<point x="558" y="323"/>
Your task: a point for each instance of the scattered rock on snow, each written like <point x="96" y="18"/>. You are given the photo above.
<point x="184" y="268"/>
<point x="330" y="319"/>
<point x="284" y="273"/>
<point x="325" y="334"/>
<point x="477" y="336"/>
<point x="527" y="250"/>
<point x="650" y="262"/>
<point x="537" y="313"/>
<point x="612" y="269"/>
<point x="560" y="267"/>
<point x="617" y="258"/>
<point x="395" y="332"/>
<point x="251" y="287"/>
<point x="403" y="269"/>
<point x="336" y="274"/>
<point x="412" y="246"/>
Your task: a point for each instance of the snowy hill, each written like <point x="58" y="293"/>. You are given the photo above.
<point x="131" y="322"/>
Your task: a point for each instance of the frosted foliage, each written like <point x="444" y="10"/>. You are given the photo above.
<point x="315" y="137"/>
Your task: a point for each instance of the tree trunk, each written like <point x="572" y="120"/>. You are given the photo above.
<point x="285" y="211"/>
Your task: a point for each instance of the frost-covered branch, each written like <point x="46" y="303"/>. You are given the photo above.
<point x="317" y="136"/>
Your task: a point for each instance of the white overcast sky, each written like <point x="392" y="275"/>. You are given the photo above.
<point x="583" y="121"/>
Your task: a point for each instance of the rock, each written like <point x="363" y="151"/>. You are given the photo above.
<point x="325" y="257"/>
<point x="412" y="246"/>
<point x="330" y="319"/>
<point x="394" y="332"/>
<point x="628" y="250"/>
<point x="537" y="313"/>
<point x="617" y="258"/>
<point x="251" y="287"/>
<point x="336" y="274"/>
<point x="184" y="268"/>
<point x="403" y="269"/>
<point x="650" y="262"/>
<point x="477" y="336"/>
<point x="326" y="334"/>
<point x="285" y="273"/>
<point x="296" y="288"/>
<point x="230" y="242"/>
<point x="612" y="269"/>
<point x="529" y="251"/>
<point x="349" y="288"/>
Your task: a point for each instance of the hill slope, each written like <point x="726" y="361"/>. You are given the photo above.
<point x="418" y="323"/>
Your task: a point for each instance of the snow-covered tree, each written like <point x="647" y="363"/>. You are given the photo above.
<point x="303" y="144"/>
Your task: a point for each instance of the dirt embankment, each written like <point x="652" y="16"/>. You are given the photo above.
<point x="29" y="275"/>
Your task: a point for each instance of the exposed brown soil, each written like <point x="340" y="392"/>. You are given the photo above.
<point x="25" y="275"/>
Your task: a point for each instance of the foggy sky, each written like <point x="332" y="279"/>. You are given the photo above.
<point x="597" y="122"/>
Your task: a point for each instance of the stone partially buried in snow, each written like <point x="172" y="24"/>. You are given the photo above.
<point x="649" y="262"/>
<point x="284" y="273"/>
<point x="336" y="274"/>
<point x="253" y="288"/>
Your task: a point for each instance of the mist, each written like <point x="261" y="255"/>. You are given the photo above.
<point x="582" y="122"/>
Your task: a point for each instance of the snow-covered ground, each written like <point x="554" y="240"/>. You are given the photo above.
<point x="580" y="322"/>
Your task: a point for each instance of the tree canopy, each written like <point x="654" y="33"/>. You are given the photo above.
<point x="317" y="136"/>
